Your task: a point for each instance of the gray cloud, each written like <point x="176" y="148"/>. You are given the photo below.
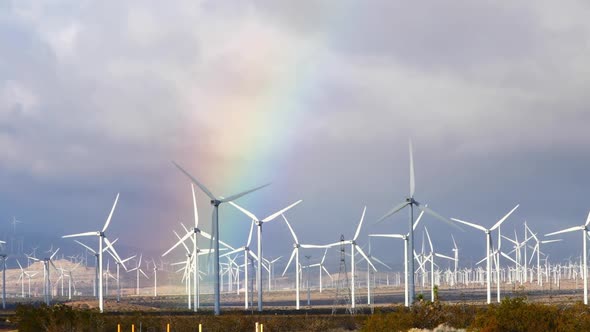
<point x="98" y="97"/>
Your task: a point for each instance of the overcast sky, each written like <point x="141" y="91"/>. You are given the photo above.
<point x="320" y="98"/>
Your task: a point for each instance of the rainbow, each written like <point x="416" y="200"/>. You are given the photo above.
<point x="257" y="137"/>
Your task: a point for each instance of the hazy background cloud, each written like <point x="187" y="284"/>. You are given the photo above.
<point x="97" y="97"/>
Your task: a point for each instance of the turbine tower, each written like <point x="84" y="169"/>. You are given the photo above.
<point x="584" y="229"/>
<point x="216" y="201"/>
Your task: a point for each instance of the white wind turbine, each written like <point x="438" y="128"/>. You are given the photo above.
<point x="138" y="270"/>
<point x="247" y="252"/>
<point x="193" y="234"/>
<point x="537" y="249"/>
<point x="295" y="253"/>
<point x="21" y="278"/>
<point x="456" y="259"/>
<point x="216" y="201"/>
<point x="46" y="281"/>
<point x="259" y="222"/>
<point x="411" y="202"/>
<point x="119" y="262"/>
<point x="94" y="289"/>
<point x="101" y="237"/>
<point x="271" y="273"/>
<point x="584" y="229"/>
<point x="404" y="237"/>
<point x="353" y="246"/>
<point x="321" y="267"/>
<point x="432" y="264"/>
<point x="488" y="244"/>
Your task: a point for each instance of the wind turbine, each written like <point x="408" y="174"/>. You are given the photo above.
<point x="488" y="233"/>
<point x="295" y="253"/>
<point x="101" y="237"/>
<point x="537" y="248"/>
<point x="406" y="238"/>
<point x="247" y="252"/>
<point x="353" y="246"/>
<point x="138" y="270"/>
<point x="432" y="264"/>
<point x="456" y="259"/>
<point x="94" y="290"/>
<point x="216" y="201"/>
<point x="259" y="222"/>
<point x="584" y="229"/>
<point x="321" y="267"/>
<point x="119" y="262"/>
<point x="47" y="282"/>
<point x="411" y="202"/>
<point x="271" y="271"/>
<point x="21" y="277"/>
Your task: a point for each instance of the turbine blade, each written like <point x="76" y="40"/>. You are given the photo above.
<point x="550" y="241"/>
<point x="53" y="255"/>
<point x="250" y="234"/>
<point x="85" y="246"/>
<point x="587" y="220"/>
<point x="391" y="212"/>
<point x="315" y="246"/>
<point x="504" y="218"/>
<point x="253" y="255"/>
<point x="110" y="245"/>
<point x="244" y="211"/>
<point x="509" y="239"/>
<point x="443" y="256"/>
<point x="278" y="213"/>
<point x="360" y="250"/>
<point x="80" y="234"/>
<point x="428" y="236"/>
<point x="358" y="229"/>
<point x="509" y="258"/>
<point x="290" y="259"/>
<point x="395" y="236"/>
<point x="324" y="257"/>
<point x="291" y="229"/>
<point x="195" y="212"/>
<point x="571" y="229"/>
<point x="454" y="243"/>
<point x="380" y="262"/>
<point x="232" y="252"/>
<point x="469" y="224"/>
<point x="180" y="240"/>
<point x="412" y="180"/>
<point x="418" y="220"/>
<point x="195" y="181"/>
<point x="236" y="196"/>
<point x="106" y="224"/>
<point x="438" y="216"/>
<point x="328" y="273"/>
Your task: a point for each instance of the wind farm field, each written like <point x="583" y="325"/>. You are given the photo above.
<point x="455" y="308"/>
